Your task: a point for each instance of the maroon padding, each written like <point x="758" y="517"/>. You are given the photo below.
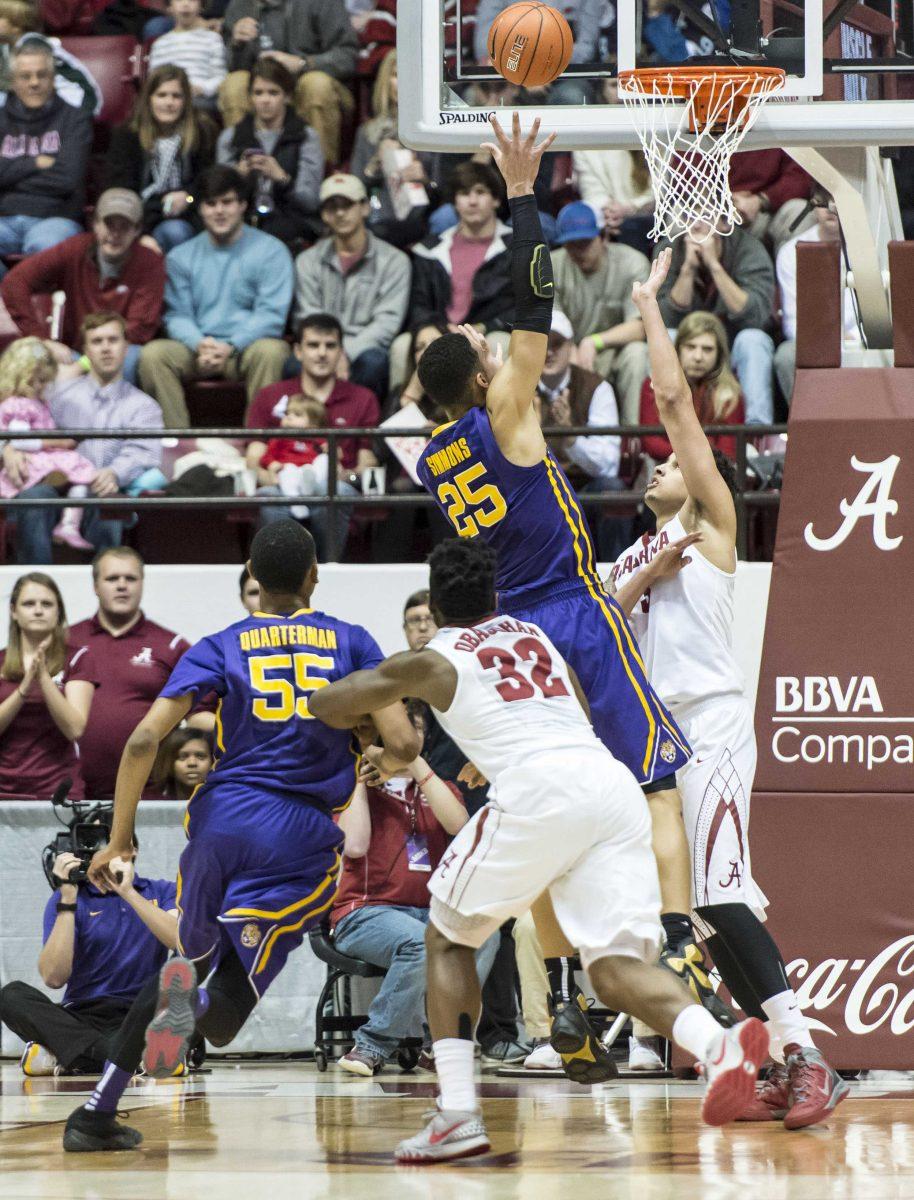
<point x="901" y="274"/>
<point x="819" y="321"/>
<point x="115" y="65"/>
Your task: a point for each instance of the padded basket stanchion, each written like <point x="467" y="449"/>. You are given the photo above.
<point x="691" y="120"/>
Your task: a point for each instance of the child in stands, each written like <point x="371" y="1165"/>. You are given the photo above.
<point x="299" y="465"/>
<point x="27" y="367"/>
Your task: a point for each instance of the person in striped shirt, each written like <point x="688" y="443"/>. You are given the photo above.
<point x="196" y="48"/>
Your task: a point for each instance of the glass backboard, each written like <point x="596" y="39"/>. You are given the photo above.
<point x="848" y="72"/>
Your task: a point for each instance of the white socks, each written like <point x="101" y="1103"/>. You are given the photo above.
<point x="696" y="1030"/>
<point x="455" y="1066"/>
<point x="787" y="1021"/>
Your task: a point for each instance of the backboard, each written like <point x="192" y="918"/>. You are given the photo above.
<point x="847" y="69"/>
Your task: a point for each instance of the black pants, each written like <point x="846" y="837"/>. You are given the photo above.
<point x="498" y="1022"/>
<point x="77" y="1036"/>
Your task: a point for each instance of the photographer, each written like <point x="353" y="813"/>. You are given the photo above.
<point x="101" y="946"/>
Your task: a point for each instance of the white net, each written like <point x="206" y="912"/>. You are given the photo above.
<point x="690" y="123"/>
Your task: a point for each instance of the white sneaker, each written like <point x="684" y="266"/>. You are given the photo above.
<point x="731" y="1069"/>
<point x="37" y="1061"/>
<point x="543" y="1058"/>
<point x="644" y="1054"/>
<point x="449" y="1134"/>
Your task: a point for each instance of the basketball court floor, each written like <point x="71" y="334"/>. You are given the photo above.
<point x="285" y="1132"/>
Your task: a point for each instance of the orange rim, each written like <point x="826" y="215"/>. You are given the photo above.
<point x="684" y="82"/>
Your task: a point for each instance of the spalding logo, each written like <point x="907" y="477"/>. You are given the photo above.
<point x="465" y="118"/>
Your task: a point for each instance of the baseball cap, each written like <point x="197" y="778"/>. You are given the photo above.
<point x="576" y="222"/>
<point x="348" y="186"/>
<point x="561" y="325"/>
<point x="120" y="202"/>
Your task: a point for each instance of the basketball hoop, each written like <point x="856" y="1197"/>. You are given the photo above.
<point x="690" y="121"/>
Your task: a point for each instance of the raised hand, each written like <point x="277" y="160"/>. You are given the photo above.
<point x="517" y="157"/>
<point x="489" y="361"/>
<point x="646" y="293"/>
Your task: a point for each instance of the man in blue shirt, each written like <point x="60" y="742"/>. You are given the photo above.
<point x="100" y="946"/>
<point x="263" y="851"/>
<point x="227" y="297"/>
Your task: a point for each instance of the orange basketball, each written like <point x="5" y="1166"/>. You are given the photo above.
<point x="530" y="44"/>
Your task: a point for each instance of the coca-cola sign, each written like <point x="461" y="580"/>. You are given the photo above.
<point x="863" y="995"/>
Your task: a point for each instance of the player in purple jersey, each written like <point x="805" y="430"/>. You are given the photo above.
<point x="263" y="852"/>
<point x="494" y="477"/>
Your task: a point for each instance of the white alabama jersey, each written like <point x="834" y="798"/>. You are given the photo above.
<point x="684" y="624"/>
<point x="514" y="696"/>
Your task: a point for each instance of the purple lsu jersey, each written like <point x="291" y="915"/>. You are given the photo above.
<point x="547" y="575"/>
<point x="528" y="515"/>
<point x="263" y="670"/>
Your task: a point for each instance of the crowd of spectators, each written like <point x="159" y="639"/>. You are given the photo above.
<point x="256" y="223"/>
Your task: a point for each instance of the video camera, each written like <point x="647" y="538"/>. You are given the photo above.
<point x="86" y="831"/>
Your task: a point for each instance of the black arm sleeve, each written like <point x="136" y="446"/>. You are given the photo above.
<point x="531" y="268"/>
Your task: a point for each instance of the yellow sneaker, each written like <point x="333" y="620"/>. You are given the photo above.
<point x="687" y="962"/>
<point x="584" y="1057"/>
<point x="36" y="1061"/>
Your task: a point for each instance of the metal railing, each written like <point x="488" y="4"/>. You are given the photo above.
<point x="746" y="500"/>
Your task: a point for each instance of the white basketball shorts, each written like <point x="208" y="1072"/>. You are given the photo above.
<point x="715" y="786"/>
<point x="575" y="823"/>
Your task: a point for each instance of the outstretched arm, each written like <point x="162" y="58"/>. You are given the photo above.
<point x="510" y="395"/>
<point x="422" y="674"/>
<point x="677" y="410"/>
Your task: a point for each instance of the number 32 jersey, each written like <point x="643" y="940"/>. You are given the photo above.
<point x="263" y="669"/>
<point x="514" y="696"/>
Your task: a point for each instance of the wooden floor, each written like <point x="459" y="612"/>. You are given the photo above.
<point x="284" y="1131"/>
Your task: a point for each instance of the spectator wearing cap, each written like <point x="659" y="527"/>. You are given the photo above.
<point x="45" y="147"/>
<point x="314" y="40"/>
<point x="593" y="287"/>
<point x="463" y="274"/>
<point x="107" y="270"/>
<point x="101" y="399"/>
<point x="137" y="654"/>
<point x="570" y="395"/>
<point x="227" y="296"/>
<point x="358" y="279"/>
<point x="318" y="353"/>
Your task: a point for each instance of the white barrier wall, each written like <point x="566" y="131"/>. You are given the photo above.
<point x="198" y="600"/>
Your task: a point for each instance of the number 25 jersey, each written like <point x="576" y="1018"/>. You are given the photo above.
<point x="528" y="515"/>
<point x="514" y="696"/>
<point x="263" y="669"/>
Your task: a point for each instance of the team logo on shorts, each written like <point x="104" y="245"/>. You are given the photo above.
<point x="251" y="935"/>
<point x="667" y="751"/>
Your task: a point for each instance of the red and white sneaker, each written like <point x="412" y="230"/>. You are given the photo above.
<point x="731" y="1069"/>
<point x="173" y="1026"/>
<point x="816" y="1089"/>
<point x="448" y="1135"/>
<point x="771" y="1100"/>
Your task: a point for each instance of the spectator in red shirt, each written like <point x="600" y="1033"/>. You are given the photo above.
<point x="136" y="657"/>
<point x="770" y="191"/>
<point x="701" y="343"/>
<point x="319" y="350"/>
<point x="396" y="833"/>
<point x="107" y="270"/>
<point x="43" y="707"/>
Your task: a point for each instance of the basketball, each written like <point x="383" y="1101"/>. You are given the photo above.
<point x="530" y="44"/>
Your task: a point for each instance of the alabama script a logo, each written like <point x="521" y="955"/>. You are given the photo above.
<point x="873" y="500"/>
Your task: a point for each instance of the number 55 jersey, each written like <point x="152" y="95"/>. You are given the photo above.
<point x="547" y="575"/>
<point x="263" y="669"/>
